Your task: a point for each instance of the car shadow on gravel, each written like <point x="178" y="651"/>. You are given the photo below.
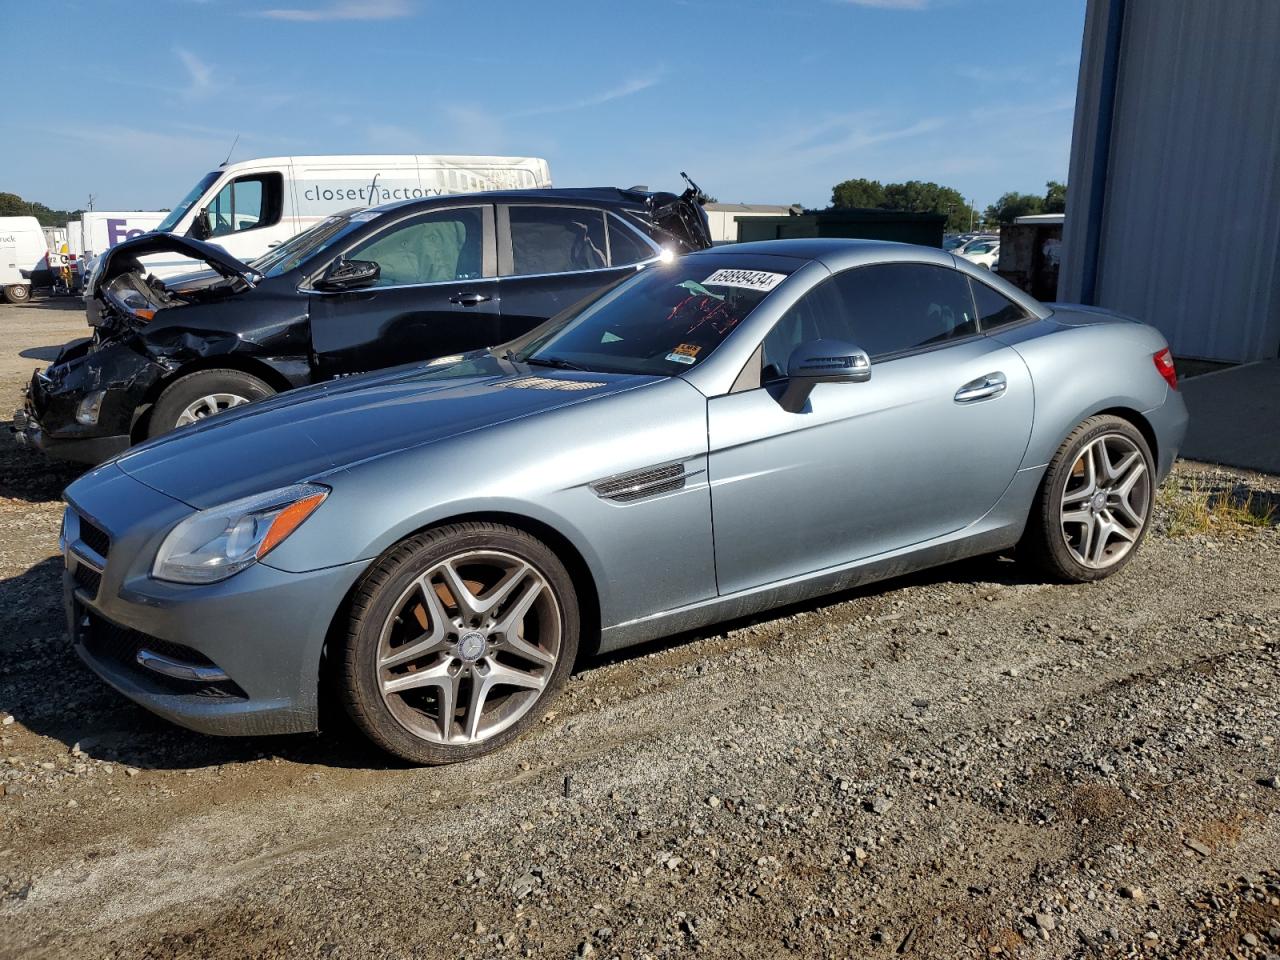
<point x="29" y="475"/>
<point x="49" y="691"/>
<point x="997" y="570"/>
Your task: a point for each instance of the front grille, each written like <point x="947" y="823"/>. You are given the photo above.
<point x="95" y="538"/>
<point x="87" y="578"/>
<point x="109" y="641"/>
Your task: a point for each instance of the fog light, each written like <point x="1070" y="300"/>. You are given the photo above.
<point x="90" y="407"/>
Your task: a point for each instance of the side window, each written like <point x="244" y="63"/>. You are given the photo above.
<point x="246" y="203"/>
<point x="994" y="308"/>
<point x="818" y="315"/>
<point x="556" y="239"/>
<point x="445" y="245"/>
<point x="894" y="307"/>
<point x="625" y="245"/>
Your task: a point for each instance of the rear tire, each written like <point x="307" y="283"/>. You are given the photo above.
<point x="198" y="396"/>
<point x="17" y="293"/>
<point x="1094" y="504"/>
<point x="417" y="661"/>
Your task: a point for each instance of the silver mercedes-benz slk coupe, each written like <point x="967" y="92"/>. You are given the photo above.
<point x="707" y="438"/>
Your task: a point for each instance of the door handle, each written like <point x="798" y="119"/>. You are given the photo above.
<point x="468" y="299"/>
<point x="991" y="385"/>
<point x="273" y="244"/>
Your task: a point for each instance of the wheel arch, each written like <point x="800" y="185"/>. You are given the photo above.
<point x="1141" y="423"/>
<point x="584" y="580"/>
<point x="244" y="364"/>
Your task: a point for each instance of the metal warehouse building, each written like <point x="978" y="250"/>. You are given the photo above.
<point x="1173" y="213"/>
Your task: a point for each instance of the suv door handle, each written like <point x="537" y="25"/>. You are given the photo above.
<point x="991" y="385"/>
<point x="468" y="299"/>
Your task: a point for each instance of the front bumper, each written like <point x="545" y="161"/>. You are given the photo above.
<point x="47" y="420"/>
<point x="250" y="646"/>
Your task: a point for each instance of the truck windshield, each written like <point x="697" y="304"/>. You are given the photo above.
<point x="663" y="321"/>
<point x="187" y="202"/>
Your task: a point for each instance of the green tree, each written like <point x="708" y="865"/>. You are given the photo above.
<point x="1012" y="205"/>
<point x="914" y="196"/>
<point x="1055" y="197"/>
<point x="858" y="194"/>
<point x="12" y="205"/>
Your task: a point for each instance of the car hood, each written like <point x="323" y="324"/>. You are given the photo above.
<point x="125" y="256"/>
<point x="309" y="433"/>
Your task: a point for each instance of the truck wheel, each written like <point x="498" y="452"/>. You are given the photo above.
<point x="17" y="293"/>
<point x="199" y="396"/>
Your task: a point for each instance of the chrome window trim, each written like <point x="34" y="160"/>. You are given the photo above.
<point x="398" y="286"/>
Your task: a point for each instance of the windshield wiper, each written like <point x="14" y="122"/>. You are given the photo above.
<point x="553" y="362"/>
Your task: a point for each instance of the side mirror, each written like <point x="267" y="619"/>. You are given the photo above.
<point x="200" y="225"/>
<point x="349" y="275"/>
<point x="822" y="361"/>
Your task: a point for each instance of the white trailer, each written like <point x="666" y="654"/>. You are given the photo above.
<point x="23" y="253"/>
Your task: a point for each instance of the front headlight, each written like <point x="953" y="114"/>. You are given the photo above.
<point x="214" y="544"/>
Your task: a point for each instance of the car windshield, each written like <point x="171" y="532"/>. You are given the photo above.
<point x="663" y="321"/>
<point x="297" y="249"/>
<point x="187" y="202"/>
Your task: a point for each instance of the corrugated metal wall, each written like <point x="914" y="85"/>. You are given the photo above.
<point x="1190" y="230"/>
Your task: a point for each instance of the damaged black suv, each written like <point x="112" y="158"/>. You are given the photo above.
<point x="359" y="291"/>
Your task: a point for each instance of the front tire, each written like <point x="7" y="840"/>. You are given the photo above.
<point x="17" y="293"/>
<point x="458" y="639"/>
<point x="201" y="395"/>
<point x="1094" y="503"/>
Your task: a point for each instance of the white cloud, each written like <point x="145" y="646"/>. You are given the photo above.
<point x="613" y="93"/>
<point x="343" y="10"/>
<point x="199" y="74"/>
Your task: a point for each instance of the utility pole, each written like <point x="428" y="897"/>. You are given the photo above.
<point x="972" y="212"/>
<point x="91" y="199"/>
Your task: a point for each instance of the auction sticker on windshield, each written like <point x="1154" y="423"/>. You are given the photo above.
<point x="751" y="279"/>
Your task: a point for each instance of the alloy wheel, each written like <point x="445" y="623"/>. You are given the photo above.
<point x="1106" y="501"/>
<point x="208" y="406"/>
<point x="469" y="647"/>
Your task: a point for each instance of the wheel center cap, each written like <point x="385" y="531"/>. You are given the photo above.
<point x="1099" y="500"/>
<point x="471" y="646"/>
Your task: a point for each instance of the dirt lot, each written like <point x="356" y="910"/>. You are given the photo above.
<point x="966" y="763"/>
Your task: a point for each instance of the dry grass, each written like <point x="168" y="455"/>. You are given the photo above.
<point x="1193" y="507"/>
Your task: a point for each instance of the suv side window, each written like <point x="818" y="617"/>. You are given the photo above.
<point x="246" y="203"/>
<point x="625" y="245"/>
<point x="896" y="307"/>
<point x="442" y="245"/>
<point x="556" y="239"/>
<point x="818" y="315"/>
<point x="994" y="308"/>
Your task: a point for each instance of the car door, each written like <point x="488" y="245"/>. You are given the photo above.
<point x="436" y="294"/>
<point x="925" y="447"/>
<point x="551" y="256"/>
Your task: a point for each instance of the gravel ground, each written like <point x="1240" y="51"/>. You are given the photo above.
<point x="963" y="763"/>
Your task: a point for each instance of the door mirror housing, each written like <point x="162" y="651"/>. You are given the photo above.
<point x="349" y="275"/>
<point x="822" y="361"/>
<point x="200" y="225"/>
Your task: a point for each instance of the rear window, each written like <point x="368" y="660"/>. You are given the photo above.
<point x="664" y="321"/>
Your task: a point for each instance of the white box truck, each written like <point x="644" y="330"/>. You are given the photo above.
<point x="24" y="254"/>
<point x="102" y="230"/>
<point x="250" y="206"/>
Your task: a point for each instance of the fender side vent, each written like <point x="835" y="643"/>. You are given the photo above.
<point x="638" y="484"/>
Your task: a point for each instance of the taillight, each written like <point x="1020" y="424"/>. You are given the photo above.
<point x="1164" y="363"/>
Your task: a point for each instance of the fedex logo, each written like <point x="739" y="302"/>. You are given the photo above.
<point x="118" y="230"/>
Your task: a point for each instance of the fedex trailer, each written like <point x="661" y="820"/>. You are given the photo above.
<point x="250" y="206"/>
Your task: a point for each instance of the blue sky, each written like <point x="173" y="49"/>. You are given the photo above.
<point x="769" y="102"/>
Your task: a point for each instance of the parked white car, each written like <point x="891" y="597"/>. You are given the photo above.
<point x="985" y="253"/>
